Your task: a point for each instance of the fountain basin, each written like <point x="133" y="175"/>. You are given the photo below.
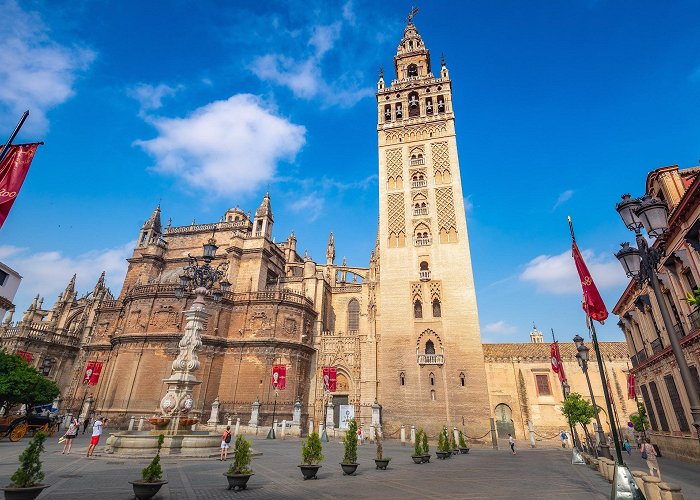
<point x="183" y="443"/>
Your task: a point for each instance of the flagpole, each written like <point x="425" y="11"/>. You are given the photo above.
<point x="14" y="134"/>
<point x="636" y="400"/>
<point x="564" y="391"/>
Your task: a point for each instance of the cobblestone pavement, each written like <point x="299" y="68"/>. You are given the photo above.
<point x="483" y="473"/>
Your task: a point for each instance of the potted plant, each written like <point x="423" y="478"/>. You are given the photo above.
<point x="381" y="461"/>
<point x="453" y="444"/>
<point x="418" y="449"/>
<point x="26" y="481"/>
<point x="463" y="446"/>
<point x="443" y="450"/>
<point x="349" y="463"/>
<point x="311" y="455"/>
<point x="425" y="449"/>
<point x="151" y="477"/>
<point x="239" y="473"/>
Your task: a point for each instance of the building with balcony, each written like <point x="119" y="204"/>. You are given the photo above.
<point x="9" y="283"/>
<point x="658" y="382"/>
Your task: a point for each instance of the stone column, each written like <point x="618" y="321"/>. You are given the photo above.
<point x="214" y="417"/>
<point x="284" y="427"/>
<point x="320" y="428"/>
<point x="377" y="417"/>
<point x="238" y="426"/>
<point x="329" y="414"/>
<point x="413" y="434"/>
<point x="229" y="421"/>
<point x="455" y="433"/>
<point x="531" y="428"/>
<point x="87" y="406"/>
<point x="296" y="415"/>
<point x="311" y="425"/>
<point x="141" y="421"/>
<point x="403" y="435"/>
<point x="131" y="423"/>
<point x="254" y="410"/>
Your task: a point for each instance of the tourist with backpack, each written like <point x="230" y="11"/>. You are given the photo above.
<point x="225" y="443"/>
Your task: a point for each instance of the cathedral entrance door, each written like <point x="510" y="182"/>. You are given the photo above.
<point x="504" y="421"/>
<point x="337" y="401"/>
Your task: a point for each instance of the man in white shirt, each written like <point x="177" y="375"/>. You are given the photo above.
<point x="511" y="442"/>
<point x="96" y="433"/>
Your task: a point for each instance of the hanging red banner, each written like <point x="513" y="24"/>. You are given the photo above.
<point x="331" y="378"/>
<point x="13" y="170"/>
<point x="557" y="366"/>
<point x="27" y="356"/>
<point x="279" y="377"/>
<point x="92" y="372"/>
<point x="631" y="389"/>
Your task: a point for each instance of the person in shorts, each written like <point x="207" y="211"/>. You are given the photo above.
<point x="70" y="434"/>
<point x="96" y="433"/>
<point x="225" y="443"/>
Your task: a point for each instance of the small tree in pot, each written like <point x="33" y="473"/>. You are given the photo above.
<point x="349" y="463"/>
<point x="453" y="444"/>
<point x="418" y="449"/>
<point x="26" y="481"/>
<point x="311" y="455"/>
<point x="444" y="450"/>
<point x="239" y="472"/>
<point x="381" y="461"/>
<point x="151" y="477"/>
<point x="426" y="449"/>
<point x="463" y="446"/>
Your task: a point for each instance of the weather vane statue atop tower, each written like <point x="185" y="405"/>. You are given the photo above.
<point x="411" y="15"/>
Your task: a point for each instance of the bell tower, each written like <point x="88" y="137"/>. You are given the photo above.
<point x="430" y="363"/>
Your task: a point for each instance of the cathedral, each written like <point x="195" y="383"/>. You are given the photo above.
<point x="400" y="335"/>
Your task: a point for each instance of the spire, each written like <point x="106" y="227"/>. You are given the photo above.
<point x="330" y="250"/>
<point x="153" y="221"/>
<point x="264" y="209"/>
<point x="99" y="285"/>
<point x="262" y="224"/>
<point x="412" y="59"/>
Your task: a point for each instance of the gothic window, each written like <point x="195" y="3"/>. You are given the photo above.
<point x="402" y="378"/>
<point x="429" y="347"/>
<point x="432" y="379"/>
<point x="429" y="105"/>
<point x="650" y="409"/>
<point x="462" y="379"/>
<point x="417" y="309"/>
<point x="353" y="315"/>
<point x="413" y="104"/>
<point x="432" y="394"/>
<point x="676" y="403"/>
<point x="421" y="235"/>
<point x="543" y="387"/>
<point x="441" y="104"/>
<point x="143" y="238"/>
<point x="436" y="308"/>
<point x="412" y="70"/>
<point x="399" y="112"/>
<point x="387" y="112"/>
<point x="418" y="180"/>
<point x="659" y="406"/>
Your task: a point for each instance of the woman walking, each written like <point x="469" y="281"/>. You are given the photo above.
<point x="225" y="443"/>
<point x="649" y="454"/>
<point x="70" y="434"/>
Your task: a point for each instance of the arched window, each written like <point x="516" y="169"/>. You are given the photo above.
<point x="432" y="378"/>
<point x="387" y="112"/>
<point x="399" y="111"/>
<point x="413" y="104"/>
<point x="429" y="105"/>
<point x="424" y="272"/>
<point x="417" y="309"/>
<point x="461" y="379"/>
<point x="432" y="395"/>
<point x="441" y="104"/>
<point x="429" y="348"/>
<point x="437" y="312"/>
<point x="353" y="315"/>
<point x="402" y="378"/>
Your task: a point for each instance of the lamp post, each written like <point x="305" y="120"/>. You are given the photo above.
<point x="582" y="358"/>
<point x="202" y="278"/>
<point x="642" y="262"/>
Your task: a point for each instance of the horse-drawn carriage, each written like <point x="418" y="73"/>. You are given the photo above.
<point x="39" y="418"/>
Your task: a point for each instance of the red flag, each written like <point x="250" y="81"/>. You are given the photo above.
<point x="631" y="390"/>
<point x="13" y="170"/>
<point x="557" y="367"/>
<point x="592" y="302"/>
<point x="89" y="368"/>
<point x="326" y="379"/>
<point x="275" y="375"/>
<point x="282" y="384"/>
<point x="96" y="370"/>
<point x="332" y="379"/>
<point x="27" y="356"/>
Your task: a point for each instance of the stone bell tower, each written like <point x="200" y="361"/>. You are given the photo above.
<point x="430" y="364"/>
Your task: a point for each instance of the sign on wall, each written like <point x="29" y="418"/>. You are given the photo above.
<point x="347" y="413"/>
<point x="279" y="377"/>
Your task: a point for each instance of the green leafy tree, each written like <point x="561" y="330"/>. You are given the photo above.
<point x="22" y="384"/>
<point x="418" y="445"/>
<point x="424" y="440"/>
<point x="311" y="450"/>
<point x="29" y="472"/>
<point x="153" y="472"/>
<point x="577" y="410"/>
<point x="350" y="443"/>
<point x="462" y="442"/>
<point x="639" y="419"/>
<point x="241" y="457"/>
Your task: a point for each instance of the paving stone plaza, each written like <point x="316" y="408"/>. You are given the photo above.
<point x="483" y="473"/>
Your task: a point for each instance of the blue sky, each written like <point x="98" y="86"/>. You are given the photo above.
<point x="560" y="108"/>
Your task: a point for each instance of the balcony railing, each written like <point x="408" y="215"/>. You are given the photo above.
<point x="422" y="242"/>
<point x="678" y="330"/>
<point x="424" y="275"/>
<point x="633" y="358"/>
<point x="431" y="359"/>
<point x="641" y="356"/>
<point x="420" y="211"/>
<point x="417" y="161"/>
<point x="657" y="346"/>
<point x="419" y="184"/>
<point x="694" y="318"/>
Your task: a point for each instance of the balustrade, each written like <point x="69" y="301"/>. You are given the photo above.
<point x="431" y="359"/>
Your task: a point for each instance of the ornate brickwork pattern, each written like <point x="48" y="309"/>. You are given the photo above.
<point x="435" y="290"/>
<point x="394" y="165"/>
<point x="415" y="132"/>
<point x="445" y="209"/>
<point x="416" y="291"/>
<point x="396" y="211"/>
<point x="441" y="157"/>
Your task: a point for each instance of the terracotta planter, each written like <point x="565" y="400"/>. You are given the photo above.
<point x="238" y="482"/>
<point x="442" y="455"/>
<point x="188" y="422"/>
<point x="417" y="459"/>
<point x="349" y="469"/>
<point x="464" y="451"/>
<point x="159" y="422"/>
<point x="144" y="490"/>
<point x="384" y="462"/>
<point x="29" y="493"/>
<point x="309" y="471"/>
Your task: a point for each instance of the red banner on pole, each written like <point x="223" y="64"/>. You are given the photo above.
<point x="92" y="372"/>
<point x="279" y="377"/>
<point x="631" y="389"/>
<point x="557" y="366"/>
<point x="329" y="378"/>
<point x="13" y="170"/>
<point x="592" y="301"/>
<point x="27" y="356"/>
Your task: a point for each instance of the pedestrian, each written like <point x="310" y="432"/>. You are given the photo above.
<point x="563" y="439"/>
<point x="511" y="441"/>
<point x="86" y="422"/>
<point x="639" y="442"/>
<point x="649" y="454"/>
<point x="96" y="433"/>
<point x="70" y="434"/>
<point x="225" y="443"/>
<point x="627" y="446"/>
<point x="359" y="435"/>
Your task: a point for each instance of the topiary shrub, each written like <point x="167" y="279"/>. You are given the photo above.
<point x="311" y="450"/>
<point x="154" y="473"/>
<point x="350" y="443"/>
<point x="241" y="457"/>
<point x="443" y="441"/>
<point x="29" y="472"/>
<point x="418" y="445"/>
<point x="424" y="440"/>
<point x="462" y="442"/>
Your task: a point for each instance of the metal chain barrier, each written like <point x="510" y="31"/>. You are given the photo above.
<point x="475" y="438"/>
<point x="546" y="437"/>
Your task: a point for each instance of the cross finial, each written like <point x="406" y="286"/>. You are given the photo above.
<point x="381" y="71"/>
<point x="411" y="15"/>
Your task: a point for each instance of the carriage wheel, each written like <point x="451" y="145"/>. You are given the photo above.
<point x="18" y="432"/>
<point x="52" y="430"/>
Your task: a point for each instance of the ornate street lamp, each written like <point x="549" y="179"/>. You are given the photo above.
<point x="642" y="262"/>
<point x="203" y="279"/>
<point x="582" y="358"/>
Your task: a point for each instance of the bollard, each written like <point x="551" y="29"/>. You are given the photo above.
<point x="238" y="426"/>
<point x="494" y="437"/>
<point x="229" y="421"/>
<point x="670" y="491"/>
<point x="651" y="488"/>
<point x="141" y="421"/>
<point x="311" y="426"/>
<point x="284" y="427"/>
<point x="320" y="428"/>
<point x="455" y="432"/>
<point x="403" y="435"/>
<point x="131" y="423"/>
<point x="413" y="434"/>
<point x="531" y="428"/>
<point x="639" y="478"/>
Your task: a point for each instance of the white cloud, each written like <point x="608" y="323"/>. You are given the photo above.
<point x="151" y="97"/>
<point x="301" y="77"/>
<point x="500" y="327"/>
<point x="226" y="147"/>
<point x="36" y="73"/>
<point x="557" y="273"/>
<point x="563" y="198"/>
<point x="311" y="205"/>
<point x="48" y="273"/>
